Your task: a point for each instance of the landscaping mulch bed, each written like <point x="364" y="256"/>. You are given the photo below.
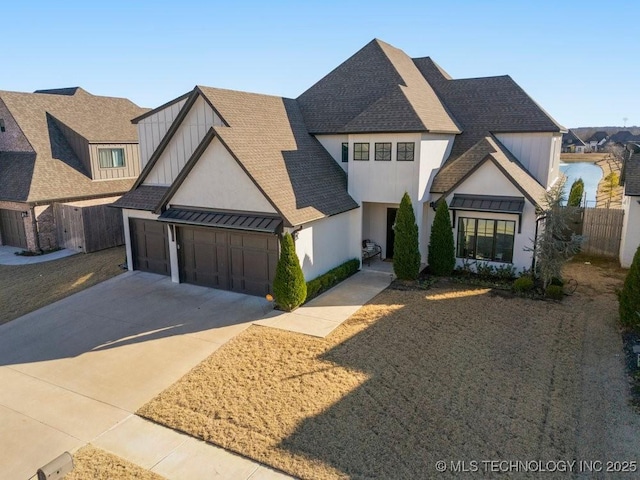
<point x="25" y="288"/>
<point x="91" y="463"/>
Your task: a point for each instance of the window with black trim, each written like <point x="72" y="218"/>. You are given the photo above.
<point x="361" y="151"/>
<point x="487" y="240"/>
<point x="345" y="152"/>
<point x="111" y="157"/>
<point x="383" y="152"/>
<point x="2" y="129"/>
<point x="406" y="151"/>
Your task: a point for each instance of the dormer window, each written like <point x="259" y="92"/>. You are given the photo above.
<point x="2" y="129"/>
<point x="111" y="157"/>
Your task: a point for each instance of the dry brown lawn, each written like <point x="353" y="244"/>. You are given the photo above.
<point x="452" y="373"/>
<point x="25" y="288"/>
<point x="91" y="463"/>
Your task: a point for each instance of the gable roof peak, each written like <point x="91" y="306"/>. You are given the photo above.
<point x="67" y="91"/>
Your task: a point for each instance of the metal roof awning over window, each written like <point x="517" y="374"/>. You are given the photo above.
<point x="232" y="221"/>
<point x="487" y="203"/>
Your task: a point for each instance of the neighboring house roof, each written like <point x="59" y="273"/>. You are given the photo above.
<point x="598" y="136"/>
<point x="268" y="138"/>
<point x="55" y="172"/>
<point x="378" y="89"/>
<point x="486" y="105"/>
<point x="571" y="139"/>
<point x="488" y="148"/>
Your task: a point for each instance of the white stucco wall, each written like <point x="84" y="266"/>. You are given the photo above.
<point x="374" y="223"/>
<point x="539" y="153"/>
<point x="173" y="249"/>
<point x="333" y="145"/>
<point x="489" y="180"/>
<point x="217" y="181"/>
<point x="194" y="127"/>
<point x="434" y="151"/>
<point x="630" y="230"/>
<point x="329" y="242"/>
<point x="152" y="128"/>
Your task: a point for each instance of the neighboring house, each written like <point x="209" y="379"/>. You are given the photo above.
<point x="597" y="141"/>
<point x="571" y="143"/>
<point x="622" y="138"/>
<point x="225" y="172"/>
<point x="630" y="179"/>
<point x="68" y="150"/>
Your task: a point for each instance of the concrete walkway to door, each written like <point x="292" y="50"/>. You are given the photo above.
<point x="75" y="371"/>
<point x="8" y="256"/>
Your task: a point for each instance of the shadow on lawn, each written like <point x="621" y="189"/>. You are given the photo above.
<point x="449" y="381"/>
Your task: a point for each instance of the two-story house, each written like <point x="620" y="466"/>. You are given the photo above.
<point x="571" y="143"/>
<point x="60" y="146"/>
<point x="225" y="172"/>
<point x="630" y="180"/>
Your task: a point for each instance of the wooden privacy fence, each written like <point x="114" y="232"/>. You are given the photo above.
<point x="602" y="231"/>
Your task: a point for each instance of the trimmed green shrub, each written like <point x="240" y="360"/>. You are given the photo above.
<point x="442" y="251"/>
<point x="289" y="287"/>
<point x="523" y="284"/>
<point x="555" y="292"/>
<point x="334" y="276"/>
<point x="484" y="270"/>
<point x="406" y="254"/>
<point x="576" y="193"/>
<point x="630" y="294"/>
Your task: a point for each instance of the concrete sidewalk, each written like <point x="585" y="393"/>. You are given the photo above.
<point x="75" y="371"/>
<point x="8" y="256"/>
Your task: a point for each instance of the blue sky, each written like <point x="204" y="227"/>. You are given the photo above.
<point x="577" y="59"/>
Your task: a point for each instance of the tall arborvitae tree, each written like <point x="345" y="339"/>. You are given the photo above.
<point x="442" y="253"/>
<point x="289" y="286"/>
<point x="576" y="193"/>
<point x="630" y="294"/>
<point x="406" y="253"/>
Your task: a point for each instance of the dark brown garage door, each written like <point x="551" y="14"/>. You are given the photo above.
<point x="150" y="249"/>
<point x="229" y="260"/>
<point x="12" y="228"/>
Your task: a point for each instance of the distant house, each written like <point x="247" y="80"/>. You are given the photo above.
<point x="61" y="146"/>
<point x="623" y="137"/>
<point x="226" y="172"/>
<point x="597" y="140"/>
<point x="571" y="143"/>
<point x="630" y="179"/>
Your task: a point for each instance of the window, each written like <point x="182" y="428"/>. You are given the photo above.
<point x="345" y="152"/>
<point x="405" y="151"/>
<point x="2" y="129"/>
<point x="111" y="157"/>
<point x="488" y="240"/>
<point x="383" y="152"/>
<point x="361" y="151"/>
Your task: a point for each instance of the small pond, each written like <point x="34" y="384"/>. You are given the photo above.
<point x="590" y="174"/>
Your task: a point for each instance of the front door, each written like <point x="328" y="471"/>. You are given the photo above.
<point x="391" y="235"/>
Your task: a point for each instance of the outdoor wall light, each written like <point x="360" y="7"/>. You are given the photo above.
<point x="24" y="214"/>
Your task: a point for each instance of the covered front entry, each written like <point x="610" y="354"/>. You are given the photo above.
<point x="12" y="228"/>
<point x="240" y="261"/>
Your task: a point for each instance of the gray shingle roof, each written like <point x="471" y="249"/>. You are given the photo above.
<point x="268" y="137"/>
<point x="145" y="197"/>
<point x="486" y="105"/>
<point x="488" y="148"/>
<point x="378" y="89"/>
<point x="56" y="172"/>
<point x="632" y="175"/>
<point x="570" y="138"/>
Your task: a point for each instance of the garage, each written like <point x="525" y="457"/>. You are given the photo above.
<point x="237" y="252"/>
<point x="12" y="228"/>
<point x="149" y="246"/>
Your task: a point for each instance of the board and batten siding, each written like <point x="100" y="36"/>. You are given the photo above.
<point x="153" y="128"/>
<point x="630" y="237"/>
<point x="131" y="167"/>
<point x="79" y="145"/>
<point x="186" y="139"/>
<point x="538" y="152"/>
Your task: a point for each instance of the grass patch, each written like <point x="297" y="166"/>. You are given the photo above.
<point x="412" y="378"/>
<point x="93" y="463"/>
<point x="25" y="288"/>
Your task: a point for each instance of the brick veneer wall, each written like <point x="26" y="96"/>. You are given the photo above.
<point x="46" y="225"/>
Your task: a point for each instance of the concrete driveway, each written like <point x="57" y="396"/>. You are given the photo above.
<point x="72" y="370"/>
